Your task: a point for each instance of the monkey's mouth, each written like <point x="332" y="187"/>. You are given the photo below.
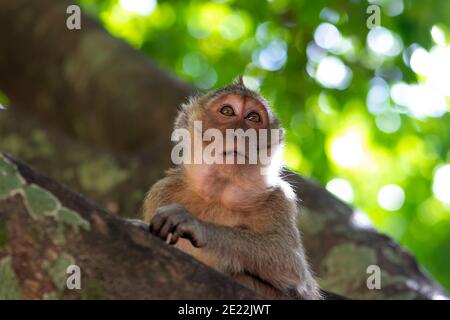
<point x="234" y="154"/>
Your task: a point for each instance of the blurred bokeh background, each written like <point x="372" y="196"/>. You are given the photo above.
<point x="366" y="110"/>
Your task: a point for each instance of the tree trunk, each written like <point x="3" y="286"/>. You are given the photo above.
<point x="45" y="228"/>
<point x="106" y="110"/>
<point x="84" y="82"/>
<point x="117" y="181"/>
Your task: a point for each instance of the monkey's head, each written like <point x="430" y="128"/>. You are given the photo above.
<point x="234" y="108"/>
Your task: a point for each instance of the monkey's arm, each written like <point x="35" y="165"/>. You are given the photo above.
<point x="276" y="258"/>
<point x="273" y="257"/>
<point x="160" y="194"/>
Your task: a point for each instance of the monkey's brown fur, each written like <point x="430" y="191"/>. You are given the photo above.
<point x="233" y="221"/>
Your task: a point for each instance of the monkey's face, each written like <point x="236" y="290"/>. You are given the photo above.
<point x="242" y="121"/>
<point x="236" y="111"/>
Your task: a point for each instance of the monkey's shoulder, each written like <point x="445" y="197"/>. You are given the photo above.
<point x="281" y="190"/>
<point x="163" y="192"/>
<point x="167" y="186"/>
<point x="281" y="198"/>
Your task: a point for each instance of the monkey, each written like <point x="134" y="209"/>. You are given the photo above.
<point x="232" y="217"/>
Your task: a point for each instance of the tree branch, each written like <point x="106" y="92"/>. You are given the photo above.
<point x="44" y="228"/>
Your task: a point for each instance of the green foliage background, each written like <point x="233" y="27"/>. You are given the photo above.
<point x="209" y="43"/>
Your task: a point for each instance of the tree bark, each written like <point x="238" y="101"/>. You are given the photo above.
<point x="112" y="103"/>
<point x="84" y="82"/>
<point x="44" y="228"/>
<point x="116" y="181"/>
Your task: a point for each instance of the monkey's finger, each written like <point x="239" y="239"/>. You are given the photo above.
<point x="157" y="223"/>
<point x="193" y="240"/>
<point x="177" y="231"/>
<point x="166" y="229"/>
<point x="184" y="232"/>
<point x="175" y="236"/>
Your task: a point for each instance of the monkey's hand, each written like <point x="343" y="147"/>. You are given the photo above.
<point x="180" y="223"/>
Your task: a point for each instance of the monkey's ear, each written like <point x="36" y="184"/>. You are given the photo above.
<point x="239" y="81"/>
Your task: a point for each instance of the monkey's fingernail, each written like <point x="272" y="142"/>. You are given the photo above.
<point x="173" y="238"/>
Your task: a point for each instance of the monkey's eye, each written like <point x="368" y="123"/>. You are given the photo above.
<point x="227" y="110"/>
<point x="254" y="117"/>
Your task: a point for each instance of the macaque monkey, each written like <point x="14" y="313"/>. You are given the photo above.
<point x="234" y="218"/>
